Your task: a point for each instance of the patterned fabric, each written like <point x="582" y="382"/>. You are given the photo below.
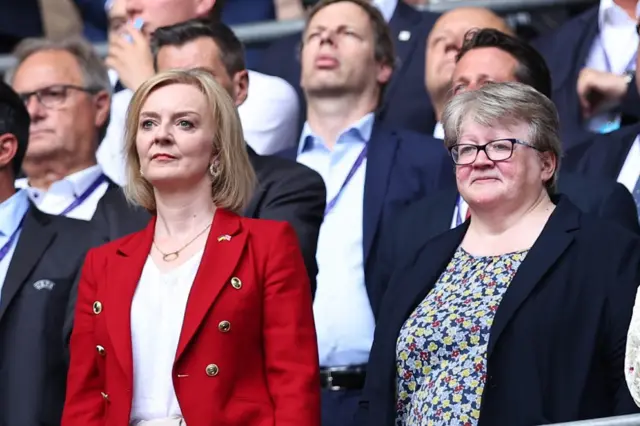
<point x="442" y="347"/>
<point x="632" y="355"/>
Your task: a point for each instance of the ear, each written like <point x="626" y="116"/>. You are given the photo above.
<point x="384" y="73"/>
<point x="549" y="164"/>
<point x="204" y="7"/>
<point x="8" y="149"/>
<point x="240" y="87"/>
<point x="102" y="102"/>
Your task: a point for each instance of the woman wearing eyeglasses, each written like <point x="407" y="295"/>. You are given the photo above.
<point x="519" y="316"/>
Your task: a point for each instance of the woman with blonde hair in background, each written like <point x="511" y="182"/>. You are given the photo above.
<point x="203" y="318"/>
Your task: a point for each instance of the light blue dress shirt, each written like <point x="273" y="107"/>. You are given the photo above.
<point x="12" y="211"/>
<point x="343" y="316"/>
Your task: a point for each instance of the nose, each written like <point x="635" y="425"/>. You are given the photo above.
<point x="133" y="8"/>
<point x="163" y="134"/>
<point x="35" y="108"/>
<point x="327" y="36"/>
<point x="482" y="160"/>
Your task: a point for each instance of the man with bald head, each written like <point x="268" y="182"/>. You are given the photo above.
<point x="443" y="45"/>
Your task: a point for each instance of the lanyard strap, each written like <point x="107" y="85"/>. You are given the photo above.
<point x="81" y="199"/>
<point x="7" y="246"/>
<point x="607" y="63"/>
<point x="332" y="203"/>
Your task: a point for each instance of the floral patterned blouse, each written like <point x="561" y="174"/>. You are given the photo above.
<point x="442" y="347"/>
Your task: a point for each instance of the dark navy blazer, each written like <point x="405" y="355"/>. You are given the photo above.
<point x="402" y="167"/>
<point x="557" y="344"/>
<point x="566" y="51"/>
<point x="406" y="103"/>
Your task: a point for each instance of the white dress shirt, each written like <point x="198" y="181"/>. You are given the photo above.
<point x="64" y="192"/>
<point x="342" y="311"/>
<point x="269" y="119"/>
<point x="386" y="8"/>
<point x="613" y="50"/>
<point x="12" y="212"/>
<point x="157" y="314"/>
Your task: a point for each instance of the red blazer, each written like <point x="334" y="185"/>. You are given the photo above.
<point x="259" y="369"/>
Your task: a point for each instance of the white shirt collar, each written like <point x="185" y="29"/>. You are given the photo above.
<point x="386" y="7"/>
<point x="73" y="185"/>
<point x="438" y="131"/>
<point x="612" y="14"/>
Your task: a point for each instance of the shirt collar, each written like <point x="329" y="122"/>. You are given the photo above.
<point x="78" y="182"/>
<point x="12" y="211"/>
<point x="386" y="7"/>
<point x="612" y="14"/>
<point x="362" y="129"/>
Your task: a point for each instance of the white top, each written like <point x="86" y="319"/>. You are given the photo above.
<point x="61" y="194"/>
<point x="632" y="354"/>
<point x="157" y="313"/>
<point x="269" y="119"/>
<point x="386" y="7"/>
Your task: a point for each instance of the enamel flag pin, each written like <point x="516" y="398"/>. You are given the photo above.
<point x="224" y="238"/>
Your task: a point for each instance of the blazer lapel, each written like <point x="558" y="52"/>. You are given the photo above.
<point x="609" y="156"/>
<point x="550" y="245"/>
<point x="123" y="277"/>
<point x="34" y="239"/>
<point x="219" y="260"/>
<point x="442" y="211"/>
<point x="380" y="159"/>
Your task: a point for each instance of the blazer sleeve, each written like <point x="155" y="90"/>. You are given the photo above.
<point x="630" y="104"/>
<point x="620" y="208"/>
<point x="300" y="200"/>
<point x="84" y="405"/>
<point x="618" y="310"/>
<point x="290" y="345"/>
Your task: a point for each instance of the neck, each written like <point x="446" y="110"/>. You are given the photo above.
<point x="42" y="173"/>
<point x="491" y="223"/>
<point x="330" y="116"/>
<point x="184" y="212"/>
<point x="7" y="187"/>
<point x="628" y="6"/>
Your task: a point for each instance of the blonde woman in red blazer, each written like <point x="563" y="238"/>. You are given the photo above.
<point x="203" y="318"/>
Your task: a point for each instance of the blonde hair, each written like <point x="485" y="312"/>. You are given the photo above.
<point x="235" y="180"/>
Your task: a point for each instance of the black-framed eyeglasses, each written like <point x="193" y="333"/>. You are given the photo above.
<point x="497" y="150"/>
<point x="54" y="96"/>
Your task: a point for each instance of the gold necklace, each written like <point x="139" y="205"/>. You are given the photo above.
<point x="170" y="257"/>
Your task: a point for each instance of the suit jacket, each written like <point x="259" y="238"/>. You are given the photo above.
<point x="603" y="155"/>
<point x="33" y="372"/>
<point x="566" y="51"/>
<point x="564" y="317"/>
<point x="402" y="167"/>
<point x="21" y="19"/>
<point x="263" y="370"/>
<point x="606" y="199"/>
<point x="406" y="104"/>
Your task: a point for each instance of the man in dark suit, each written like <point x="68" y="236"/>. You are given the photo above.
<point x="287" y="190"/>
<point x="489" y="55"/>
<point x="406" y="103"/>
<point x="369" y="169"/>
<point x="592" y="59"/>
<point x="40" y="256"/>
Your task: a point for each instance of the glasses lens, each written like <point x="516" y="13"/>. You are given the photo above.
<point x="499" y="150"/>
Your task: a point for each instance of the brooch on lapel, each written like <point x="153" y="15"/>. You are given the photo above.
<point x="224" y="238"/>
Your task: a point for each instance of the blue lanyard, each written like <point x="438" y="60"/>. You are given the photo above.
<point x="332" y="203"/>
<point x="81" y="199"/>
<point x="7" y="246"/>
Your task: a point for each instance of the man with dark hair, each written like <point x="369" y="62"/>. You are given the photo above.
<point x="269" y="117"/>
<point x="347" y="60"/>
<point x="40" y="256"/>
<point x="405" y="102"/>
<point x="286" y="190"/>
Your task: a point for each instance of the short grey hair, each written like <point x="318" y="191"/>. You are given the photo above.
<point x="94" y="71"/>
<point x="507" y="104"/>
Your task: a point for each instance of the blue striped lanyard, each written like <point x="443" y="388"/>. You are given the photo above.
<point x="459" y="219"/>
<point x="356" y="165"/>
<point x="7" y="246"/>
<point x="86" y="194"/>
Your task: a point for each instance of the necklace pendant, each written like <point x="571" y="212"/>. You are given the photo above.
<point x="170" y="257"/>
